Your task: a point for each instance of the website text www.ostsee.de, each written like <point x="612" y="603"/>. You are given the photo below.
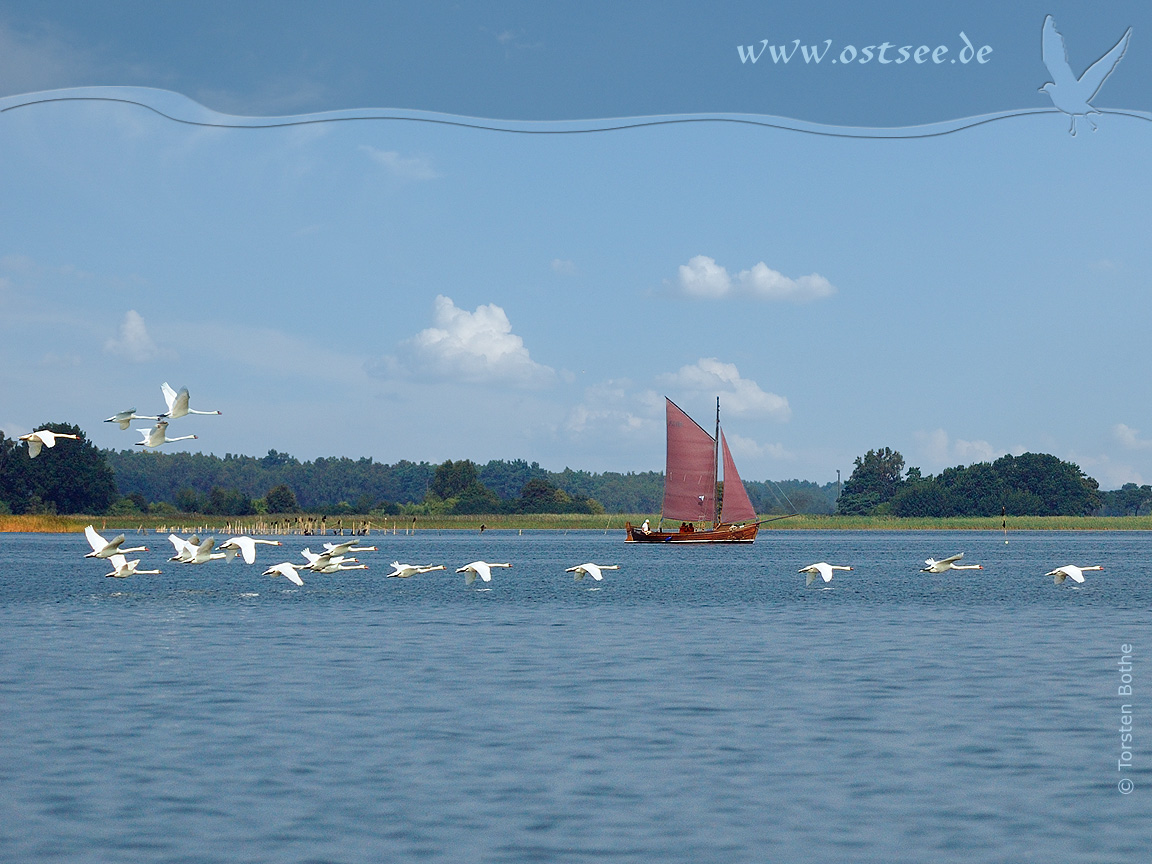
<point x="882" y="54"/>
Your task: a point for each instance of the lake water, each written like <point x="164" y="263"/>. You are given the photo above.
<point x="700" y="704"/>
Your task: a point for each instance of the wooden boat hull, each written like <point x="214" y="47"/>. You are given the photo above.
<point x="719" y="534"/>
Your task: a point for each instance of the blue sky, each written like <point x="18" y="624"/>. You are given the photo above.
<point x="409" y="290"/>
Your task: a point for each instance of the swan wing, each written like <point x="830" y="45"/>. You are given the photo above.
<point x="94" y="539"/>
<point x="169" y="395"/>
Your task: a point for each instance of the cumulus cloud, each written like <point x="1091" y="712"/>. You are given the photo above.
<point x="478" y="347"/>
<point x="703" y="278"/>
<point x="133" y="342"/>
<point x="402" y="167"/>
<point x="746" y="449"/>
<point x="1130" y="437"/>
<point x="940" y="450"/>
<point x="613" y="406"/>
<point x="739" y="396"/>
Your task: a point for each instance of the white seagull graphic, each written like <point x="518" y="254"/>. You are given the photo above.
<point x="1070" y="94"/>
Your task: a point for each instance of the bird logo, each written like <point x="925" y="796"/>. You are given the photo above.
<point x="1070" y="94"/>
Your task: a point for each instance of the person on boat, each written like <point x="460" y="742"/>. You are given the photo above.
<point x="644" y="527"/>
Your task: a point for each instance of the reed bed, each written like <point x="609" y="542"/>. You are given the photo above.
<point x="314" y="524"/>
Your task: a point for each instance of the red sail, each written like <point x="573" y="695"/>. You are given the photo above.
<point x="690" y="477"/>
<point x="736" y="507"/>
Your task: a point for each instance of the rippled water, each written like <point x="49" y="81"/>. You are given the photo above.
<point x="700" y="704"/>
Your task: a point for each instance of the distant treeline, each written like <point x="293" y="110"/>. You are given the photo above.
<point x="77" y="477"/>
<point x="196" y="482"/>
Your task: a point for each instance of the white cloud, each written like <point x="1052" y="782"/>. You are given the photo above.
<point x="939" y="451"/>
<point x="702" y="277"/>
<point x="738" y="396"/>
<point x="133" y="343"/>
<point x="1130" y="437"/>
<point x="611" y="407"/>
<point x="402" y="167"/>
<point x="477" y="347"/>
<point x="563" y="267"/>
<point x="1109" y="474"/>
<point x="747" y="449"/>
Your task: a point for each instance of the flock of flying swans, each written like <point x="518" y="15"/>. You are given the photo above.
<point x="823" y="570"/>
<point x="177" y="401"/>
<point x="193" y="550"/>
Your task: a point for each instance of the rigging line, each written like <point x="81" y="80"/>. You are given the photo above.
<point x="784" y="495"/>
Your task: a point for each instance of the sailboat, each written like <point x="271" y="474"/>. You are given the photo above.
<point x="690" y="489"/>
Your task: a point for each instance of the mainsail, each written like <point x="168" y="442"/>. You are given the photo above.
<point x="690" y="474"/>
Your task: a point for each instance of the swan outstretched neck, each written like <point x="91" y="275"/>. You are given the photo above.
<point x="403" y="571"/>
<point x="288" y="571"/>
<point x="178" y="402"/>
<point x="1068" y="571"/>
<point x="43" y="438"/>
<point x="102" y="548"/>
<point x="158" y="435"/>
<point x="123" y="568"/>
<point x="124" y="418"/>
<point x="822" y="569"/>
<point x="946" y="564"/>
<point x="593" y="570"/>
<point x="478" y="568"/>
<point x="347" y="546"/>
<point x="246" y="546"/>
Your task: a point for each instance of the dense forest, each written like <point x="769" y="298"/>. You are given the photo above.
<point x="77" y="477"/>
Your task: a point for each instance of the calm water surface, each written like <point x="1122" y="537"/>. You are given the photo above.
<point x="700" y="704"/>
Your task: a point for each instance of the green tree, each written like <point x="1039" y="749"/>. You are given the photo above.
<point x="452" y="478"/>
<point x="476" y="499"/>
<point x="875" y="481"/>
<point x="281" y="499"/>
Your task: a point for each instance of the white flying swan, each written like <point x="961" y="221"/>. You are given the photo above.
<point x="204" y="553"/>
<point x="347" y="546"/>
<point x="325" y="562"/>
<point x="403" y="571"/>
<point x="288" y="571"/>
<point x="102" y="548"/>
<point x="593" y="570"/>
<point x="43" y="438"/>
<point x="158" y="435"/>
<point x="823" y="570"/>
<point x="124" y="418"/>
<point x="246" y="546"/>
<point x="185" y="549"/>
<point x="124" y="568"/>
<point x="478" y="568"/>
<point x="946" y="564"/>
<point x="178" y="402"/>
<point x="1068" y="571"/>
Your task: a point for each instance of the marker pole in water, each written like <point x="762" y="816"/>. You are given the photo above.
<point x="1004" y="523"/>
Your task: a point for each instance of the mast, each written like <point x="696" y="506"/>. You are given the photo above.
<point x="715" y="471"/>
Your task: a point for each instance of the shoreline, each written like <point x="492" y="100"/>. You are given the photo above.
<point x="315" y="525"/>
